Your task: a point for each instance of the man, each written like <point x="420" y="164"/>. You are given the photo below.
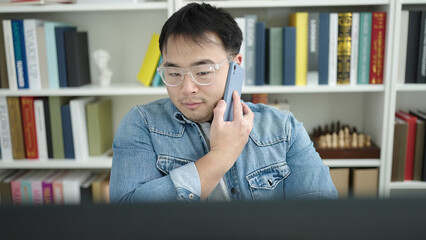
<point x="180" y="148"/>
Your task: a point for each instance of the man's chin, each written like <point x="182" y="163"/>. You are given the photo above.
<point x="198" y="117"/>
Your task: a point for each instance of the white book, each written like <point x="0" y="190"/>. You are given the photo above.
<point x="10" y="54"/>
<point x="40" y="129"/>
<point x="71" y="186"/>
<point x="250" y="70"/>
<point x="353" y="76"/>
<point x="31" y="51"/>
<point x="332" y="59"/>
<point x="42" y="56"/>
<point x="5" y="137"/>
<point x="79" y="127"/>
<point x="312" y="78"/>
<point x="403" y="46"/>
<point x="241" y="21"/>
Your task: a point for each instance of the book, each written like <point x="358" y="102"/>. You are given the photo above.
<point x="42" y="56"/>
<point x="20" y="53"/>
<point x="419" y="149"/>
<point x="402" y="51"/>
<point x="313" y="48"/>
<point x="399" y="150"/>
<point x="48" y="126"/>
<point x="86" y="190"/>
<point x="289" y="56"/>
<point x="71" y="186"/>
<point x="105" y="190"/>
<point x="323" y="51"/>
<point x="55" y="103"/>
<point x="67" y="131"/>
<point x="421" y="116"/>
<point x="152" y="56"/>
<point x="29" y="127"/>
<point x="5" y="194"/>
<point x="37" y="186"/>
<point x="10" y="54"/>
<point x="5" y="138"/>
<point x="410" y="146"/>
<point x="250" y="73"/>
<point x="26" y="188"/>
<point x="32" y="52"/>
<point x="300" y="21"/>
<point x="99" y="126"/>
<point x="364" y="48"/>
<point x="260" y="53"/>
<point x="365" y="182"/>
<point x="51" y="53"/>
<point x="157" y="81"/>
<point x="16" y="188"/>
<point x="47" y="186"/>
<point x="377" y="54"/>
<point x="332" y="56"/>
<point x="412" y="46"/>
<point x="4" y="82"/>
<point x="58" y="188"/>
<point x="97" y="187"/>
<point x="275" y="56"/>
<point x="16" y="131"/>
<point x="40" y="125"/>
<point x="77" y="58"/>
<point x="241" y="21"/>
<point x="421" y="62"/>
<point x="353" y="76"/>
<point x="61" y="53"/>
<point x="344" y="48"/>
<point x="79" y="127"/>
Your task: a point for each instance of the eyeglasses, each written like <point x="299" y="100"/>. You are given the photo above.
<point x="202" y="74"/>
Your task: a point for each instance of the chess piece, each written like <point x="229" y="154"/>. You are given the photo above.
<point x="361" y="140"/>
<point x="322" y="143"/>
<point x="101" y="58"/>
<point x="334" y="140"/>
<point x="341" y="139"/>
<point x="367" y="140"/>
<point x="354" y="142"/>
<point x="347" y="138"/>
<point x="328" y="140"/>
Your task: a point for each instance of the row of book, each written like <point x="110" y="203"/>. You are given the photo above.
<point x="148" y="74"/>
<point x="37" y="54"/>
<point x="409" y="157"/>
<point x="412" y="67"/>
<point x="317" y="48"/>
<point x="355" y="182"/>
<point x="53" y="187"/>
<point x="54" y="127"/>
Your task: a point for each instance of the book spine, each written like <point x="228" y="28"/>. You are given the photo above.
<point x="77" y="59"/>
<point x="29" y="126"/>
<point x="411" y="138"/>
<point x="403" y="46"/>
<point x="5" y="139"/>
<point x="300" y="21"/>
<point x="47" y="127"/>
<point x="67" y="132"/>
<point x="47" y="193"/>
<point x="353" y="78"/>
<point x="20" y="58"/>
<point x="332" y="57"/>
<point x="152" y="56"/>
<point x="58" y="193"/>
<point x="37" y="192"/>
<point x="344" y="48"/>
<point x="378" y="27"/>
<point x="412" y="47"/>
<point x="26" y="192"/>
<point x="16" y="133"/>
<point x="51" y="55"/>
<point x="364" y="48"/>
<point x="421" y="62"/>
<point x="323" y="51"/>
<point x="313" y="49"/>
<point x="289" y="48"/>
<point x="40" y="129"/>
<point x="4" y="81"/>
<point x="15" y="187"/>
<point x="10" y="54"/>
<point x="61" y="54"/>
<point x="275" y="57"/>
<point x="42" y="58"/>
<point x="32" y="53"/>
<point x="251" y="49"/>
<point x="241" y="21"/>
<point x="260" y="53"/>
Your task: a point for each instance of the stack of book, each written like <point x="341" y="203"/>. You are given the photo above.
<point x="53" y="187"/>
<point x="54" y="128"/>
<point x="409" y="158"/>
<point x="37" y="54"/>
<point x="317" y="48"/>
<point x="148" y="74"/>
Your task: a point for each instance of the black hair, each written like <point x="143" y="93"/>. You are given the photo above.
<point x="195" y="21"/>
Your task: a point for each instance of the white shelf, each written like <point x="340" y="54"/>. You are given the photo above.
<point x="313" y="89"/>
<point x="92" y="163"/>
<point x="295" y="3"/>
<point x="408" y="185"/>
<point x="413" y="1"/>
<point x="352" y="162"/>
<point x="83" y="7"/>
<point x="413" y="87"/>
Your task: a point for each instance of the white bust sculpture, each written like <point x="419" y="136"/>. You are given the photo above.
<point x="102" y="57"/>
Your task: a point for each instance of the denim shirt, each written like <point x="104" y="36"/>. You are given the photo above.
<point x="155" y="148"/>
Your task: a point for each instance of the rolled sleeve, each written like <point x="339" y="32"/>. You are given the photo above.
<point x="187" y="182"/>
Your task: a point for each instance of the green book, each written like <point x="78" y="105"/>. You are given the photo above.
<point x="275" y="54"/>
<point x="99" y="126"/>
<point x="55" y="104"/>
<point x="364" y="48"/>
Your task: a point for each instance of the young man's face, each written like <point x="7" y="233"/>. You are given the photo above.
<point x="196" y="102"/>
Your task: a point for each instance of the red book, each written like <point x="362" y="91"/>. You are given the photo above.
<point x="377" y="54"/>
<point x="29" y="127"/>
<point x="411" y="142"/>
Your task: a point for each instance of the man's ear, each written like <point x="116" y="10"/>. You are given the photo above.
<point x="238" y="58"/>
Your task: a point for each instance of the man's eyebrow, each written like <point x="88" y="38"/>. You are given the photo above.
<point x="201" y="62"/>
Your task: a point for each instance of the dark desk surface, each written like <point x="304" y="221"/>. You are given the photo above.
<point x="321" y="219"/>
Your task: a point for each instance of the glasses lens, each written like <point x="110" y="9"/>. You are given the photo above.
<point x="203" y="74"/>
<point x="171" y="76"/>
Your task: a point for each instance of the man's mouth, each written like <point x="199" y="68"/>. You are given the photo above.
<point x="192" y="105"/>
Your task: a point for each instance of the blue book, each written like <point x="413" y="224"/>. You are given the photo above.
<point x="289" y="55"/>
<point x="51" y="55"/>
<point x="157" y="79"/>
<point x="67" y="131"/>
<point x="324" y="35"/>
<point x="260" y="53"/>
<point x="61" y="53"/>
<point x="20" y="55"/>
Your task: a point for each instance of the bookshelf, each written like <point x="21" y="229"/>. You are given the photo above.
<point x="368" y="107"/>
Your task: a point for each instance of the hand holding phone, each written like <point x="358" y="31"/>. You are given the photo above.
<point x="234" y="81"/>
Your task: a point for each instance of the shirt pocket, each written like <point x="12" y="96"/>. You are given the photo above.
<point x="266" y="183"/>
<point x="167" y="163"/>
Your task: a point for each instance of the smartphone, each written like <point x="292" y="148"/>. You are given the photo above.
<point x="234" y="81"/>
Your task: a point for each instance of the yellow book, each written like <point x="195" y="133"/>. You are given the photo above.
<point x="149" y="65"/>
<point x="300" y="21"/>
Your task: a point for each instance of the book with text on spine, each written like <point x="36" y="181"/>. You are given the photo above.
<point x="29" y="126"/>
<point x="377" y="57"/>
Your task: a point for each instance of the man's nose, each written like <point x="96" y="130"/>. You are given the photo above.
<point x="188" y="85"/>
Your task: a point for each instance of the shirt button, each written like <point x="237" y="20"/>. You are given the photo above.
<point x="191" y="196"/>
<point x="233" y="190"/>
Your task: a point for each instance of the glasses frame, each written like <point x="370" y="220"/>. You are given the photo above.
<point x="188" y="71"/>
